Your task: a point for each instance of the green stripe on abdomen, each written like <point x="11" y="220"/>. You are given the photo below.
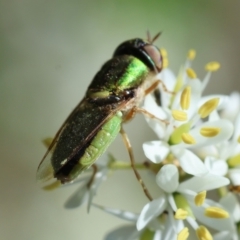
<point x="99" y="144"/>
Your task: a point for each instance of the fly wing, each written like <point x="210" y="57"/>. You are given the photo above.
<point x="78" y="129"/>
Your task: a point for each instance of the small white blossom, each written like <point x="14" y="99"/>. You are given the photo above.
<point x="181" y="128"/>
<point x="168" y="180"/>
<point x="89" y="187"/>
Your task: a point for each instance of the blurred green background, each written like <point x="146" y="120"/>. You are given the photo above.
<point x="49" y="52"/>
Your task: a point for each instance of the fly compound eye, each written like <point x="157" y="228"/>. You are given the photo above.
<point x="154" y="53"/>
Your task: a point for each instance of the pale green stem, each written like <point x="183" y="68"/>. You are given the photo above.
<point x="222" y="191"/>
<point x="120" y="165"/>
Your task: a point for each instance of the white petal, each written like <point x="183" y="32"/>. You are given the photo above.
<point x="156" y="151"/>
<point x="225" y="235"/>
<point x="203" y="152"/>
<point x="172" y="203"/>
<point x="169" y="80"/>
<point x="231" y="204"/>
<point x="128" y="232"/>
<point x="150" y="211"/>
<point x="201" y="141"/>
<point x="98" y="179"/>
<point x="207" y="182"/>
<point x="189" y="162"/>
<point x="151" y="106"/>
<point x="167" y="178"/>
<point x="172" y="226"/>
<point x="237" y="127"/>
<point x="231" y="107"/>
<point x="78" y="198"/>
<point x="126" y="215"/>
<point x="158" y="127"/>
<point x="157" y="235"/>
<point x="195" y="97"/>
<point x="218" y="224"/>
<point x="214" y="116"/>
<point x="234" y="175"/>
<point x="216" y="166"/>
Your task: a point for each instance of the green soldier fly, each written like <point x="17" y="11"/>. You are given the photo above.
<point x="112" y="98"/>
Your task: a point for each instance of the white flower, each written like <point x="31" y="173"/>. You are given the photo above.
<point x="181" y="194"/>
<point x="180" y="127"/>
<point x="229" y="149"/>
<point x="89" y="187"/>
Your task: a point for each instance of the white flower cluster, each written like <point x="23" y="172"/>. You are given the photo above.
<point x="198" y="150"/>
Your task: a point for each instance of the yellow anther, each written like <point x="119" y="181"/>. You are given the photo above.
<point x="176" y="138"/>
<point x="181" y="214"/>
<point x="185" y="98"/>
<point x="188" y="139"/>
<point x="203" y="233"/>
<point x="212" y="66"/>
<point x="216" y="212"/>
<point x="208" y="107"/>
<point x="163" y="52"/>
<point x="165" y="62"/>
<point x="210" y="131"/>
<point x="182" y="202"/>
<point x="183" y="234"/>
<point x="234" y="161"/>
<point x="191" y="54"/>
<point x="47" y="142"/>
<point x="200" y="198"/>
<point x="179" y="115"/>
<point x="191" y="73"/>
<point x="238" y="140"/>
<point x="52" y="186"/>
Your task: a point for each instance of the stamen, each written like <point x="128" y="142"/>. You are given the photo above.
<point x="191" y="73"/>
<point x="209" y="131"/>
<point x="191" y="54"/>
<point x="181" y="214"/>
<point x="52" y="186"/>
<point x="165" y="62"/>
<point x="212" y="66"/>
<point x="200" y="198"/>
<point x="185" y="98"/>
<point x="216" y="212"/>
<point x="165" y="57"/>
<point x="203" y="233"/>
<point x="179" y="115"/>
<point x="47" y="142"/>
<point x="188" y="139"/>
<point x="183" y="204"/>
<point x="163" y="52"/>
<point x="176" y="136"/>
<point x="208" y="107"/>
<point x="234" y="161"/>
<point x="183" y="234"/>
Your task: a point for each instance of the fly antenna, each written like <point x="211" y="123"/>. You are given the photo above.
<point x="152" y="40"/>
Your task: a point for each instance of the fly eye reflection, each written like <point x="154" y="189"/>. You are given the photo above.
<point x="155" y="54"/>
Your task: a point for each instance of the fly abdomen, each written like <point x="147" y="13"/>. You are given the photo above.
<point x="98" y="145"/>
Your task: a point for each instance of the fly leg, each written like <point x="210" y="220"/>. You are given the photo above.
<point x="94" y="167"/>
<point x="154" y="86"/>
<point x="130" y="152"/>
<point x="149" y="115"/>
